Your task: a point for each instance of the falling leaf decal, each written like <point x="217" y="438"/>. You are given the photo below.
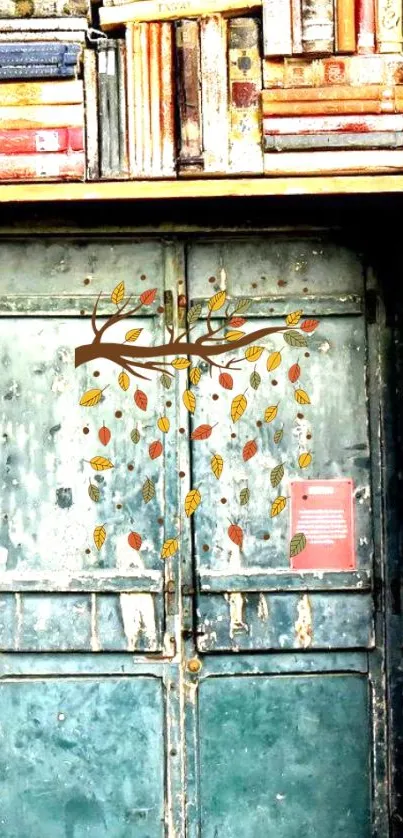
<point x="91" y="398"/>
<point x="297" y="544"/>
<point x="249" y="450"/>
<point x="217" y="301"/>
<point x="99" y="536"/>
<point x="155" y="449"/>
<point x="192" y="501"/>
<point x="189" y="400"/>
<point x="166" y="380"/>
<point x="104" y="435"/>
<point x="135" y="540"/>
<point x="270" y="413"/>
<point x="294" y="373"/>
<point x="169" y="548"/>
<point x="236" y="322"/>
<point x="304" y="460"/>
<point x="242" y="306"/>
<point x="236" y="534"/>
<point x="140" y="399"/>
<point x="278" y="436"/>
<point x="148" y="297"/>
<point x="100" y="463"/>
<point x="135" y="436"/>
<point x="278" y="505"/>
<point x="301" y="397"/>
<point x="244" y="497"/>
<point x="164" y="424"/>
<point x="255" y="380"/>
<point x="133" y="335"/>
<point x="276" y="475"/>
<point x="194" y="313"/>
<point x="273" y="361"/>
<point x="226" y="380"/>
<point x="234" y="335"/>
<point x="148" y="490"/>
<point x="118" y="293"/>
<point x="180" y="363"/>
<point x="202" y="432"/>
<point x="238" y="407"/>
<point x="253" y="353"/>
<point x="293" y="318"/>
<point x="294" y="338"/>
<point x="217" y="465"/>
<point x="94" y="492"/>
<point x="195" y="375"/>
<point x="124" y="381"/>
<point x="309" y="325"/>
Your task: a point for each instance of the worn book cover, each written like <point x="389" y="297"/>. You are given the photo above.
<point x="296" y="26"/>
<point x="167" y="112"/>
<point x="317" y="26"/>
<point x="112" y="82"/>
<point x="149" y="10"/>
<point x="146" y="170"/>
<point x="332" y="162"/>
<point x="344" y="140"/>
<point x="122" y="109"/>
<point x="337" y="92"/>
<point x="41" y="116"/>
<point x="20" y="25"/>
<point x="91" y="114"/>
<point x="155" y="97"/>
<point x="389" y="33"/>
<point x="32" y="167"/>
<point x="245" y="85"/>
<point x="41" y="93"/>
<point x="277" y="28"/>
<point x="44" y="8"/>
<point x="214" y="80"/>
<point x="337" y="70"/>
<point x="328" y="124"/>
<point x="103" y="111"/>
<point x="44" y="37"/>
<point x="45" y="140"/>
<point x="342" y="106"/>
<point x="189" y="99"/>
<point x="365" y="22"/>
<point x="345" y="35"/>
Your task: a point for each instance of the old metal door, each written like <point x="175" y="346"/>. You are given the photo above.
<point x="218" y="693"/>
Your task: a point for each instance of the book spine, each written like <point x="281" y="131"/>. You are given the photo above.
<point x="43" y="37"/>
<point x="131" y="140"/>
<point x="365" y="16"/>
<point x="389" y="33"/>
<point x="38" y="25"/>
<point x="42" y="93"/>
<point x="189" y="104"/>
<point x="354" y="70"/>
<point x="332" y="162"/>
<point x="122" y="110"/>
<point x="32" y="167"/>
<point x="155" y="92"/>
<point x="48" y="140"/>
<point x="103" y="112"/>
<point x="167" y="114"/>
<point x="91" y="114"/>
<point x="277" y="31"/>
<point x="44" y="8"/>
<point x="345" y="106"/>
<point x="138" y="99"/>
<point x="296" y="26"/>
<point x="19" y="54"/>
<point x="345" y="26"/>
<point x="42" y="71"/>
<point x="321" y="142"/>
<point x="146" y="102"/>
<point x="332" y="124"/>
<point x="336" y="92"/>
<point x="245" y="83"/>
<point x="41" y="116"/>
<point x="113" y="106"/>
<point x="317" y="26"/>
<point x="213" y="41"/>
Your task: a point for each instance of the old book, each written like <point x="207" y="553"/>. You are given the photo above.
<point x="337" y="92"/>
<point x="138" y="98"/>
<point x="41" y="93"/>
<point x="277" y="30"/>
<point x="112" y="82"/>
<point x="343" y="106"/>
<point x="91" y="114"/>
<point x="245" y="85"/>
<point x="167" y="111"/>
<point x="389" y="32"/>
<point x="317" y="26"/>
<point x="41" y="116"/>
<point x="149" y="10"/>
<point x="344" y="140"/>
<point x="330" y="124"/>
<point x="345" y="26"/>
<point x="155" y="97"/>
<point x="146" y="170"/>
<point x="43" y="24"/>
<point x="32" y="167"/>
<point x="47" y="140"/>
<point x="365" y="17"/>
<point x="37" y="71"/>
<point x="129" y="37"/>
<point x="44" y="37"/>
<point x="103" y="111"/>
<point x="213" y="39"/>
<point x="59" y="59"/>
<point x="337" y="70"/>
<point x="332" y="162"/>
<point x="122" y="109"/>
<point x="296" y="26"/>
<point x="189" y="100"/>
<point x="44" y="8"/>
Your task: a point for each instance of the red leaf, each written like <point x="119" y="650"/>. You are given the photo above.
<point x="237" y="321"/>
<point x="309" y="325"/>
<point x="202" y="432"/>
<point x="104" y="435"/>
<point x="155" y="449"/>
<point x="135" y="540"/>
<point x="141" y="399"/>
<point x="148" y="297"/>
<point x="294" y="373"/>
<point x="236" y="534"/>
<point x="249" y="450"/>
<point x="226" y="380"/>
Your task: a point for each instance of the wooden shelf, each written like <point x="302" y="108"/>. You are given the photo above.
<point x="187" y="189"/>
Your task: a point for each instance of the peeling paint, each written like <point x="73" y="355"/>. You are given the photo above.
<point x="236" y="608"/>
<point x="263" y="609"/>
<point x="138" y="616"/>
<point x="303" y="626"/>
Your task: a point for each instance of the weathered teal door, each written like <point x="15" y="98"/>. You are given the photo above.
<point x="221" y="689"/>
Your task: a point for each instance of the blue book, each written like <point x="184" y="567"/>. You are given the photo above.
<point x="39" y="53"/>
<point x="34" y="71"/>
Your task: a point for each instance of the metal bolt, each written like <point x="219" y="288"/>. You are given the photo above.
<point x="194" y="665"/>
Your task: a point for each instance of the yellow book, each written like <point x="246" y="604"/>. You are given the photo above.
<point x="245" y="86"/>
<point x="149" y="10"/>
<point x="41" y="93"/>
<point x="41" y="116"/>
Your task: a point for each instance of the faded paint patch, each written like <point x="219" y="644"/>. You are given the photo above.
<point x="138" y="615"/>
<point x="237" y="614"/>
<point x="303" y="626"/>
<point x="263" y="609"/>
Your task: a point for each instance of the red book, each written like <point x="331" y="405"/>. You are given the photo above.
<point x="365" y="13"/>
<point x="31" y="141"/>
<point x="42" y="167"/>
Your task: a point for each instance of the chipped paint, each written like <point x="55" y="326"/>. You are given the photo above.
<point x="263" y="608"/>
<point x="95" y="645"/>
<point x="138" y="615"/>
<point x="303" y="626"/>
<point x="236" y="609"/>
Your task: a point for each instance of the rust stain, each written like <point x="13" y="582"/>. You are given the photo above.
<point x="303" y="625"/>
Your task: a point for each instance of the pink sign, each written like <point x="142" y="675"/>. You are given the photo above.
<point x="323" y="511"/>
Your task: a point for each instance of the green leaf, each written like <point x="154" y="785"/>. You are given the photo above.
<point x="194" y="313"/>
<point x="166" y="380"/>
<point x="148" y="490"/>
<point x="276" y="475"/>
<point x="242" y="306"/>
<point x="294" y="338"/>
<point x="94" y="492"/>
<point x="244" y="497"/>
<point x="278" y="436"/>
<point x="297" y="544"/>
<point x="255" y="380"/>
<point x="135" y="436"/>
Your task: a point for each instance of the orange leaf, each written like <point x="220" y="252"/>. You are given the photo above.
<point x="155" y="449"/>
<point x="104" y="435"/>
<point x="236" y="534"/>
<point x="236" y="322"/>
<point x="148" y="297"/>
<point x="249" y="450"/>
<point x="140" y="399"/>
<point x="294" y="373"/>
<point x="201" y="432"/>
<point x="135" y="540"/>
<point x="226" y="380"/>
<point x="309" y="325"/>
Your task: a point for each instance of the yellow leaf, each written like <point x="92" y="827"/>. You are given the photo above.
<point x="270" y="413"/>
<point x="278" y="505"/>
<point x="180" y="363"/>
<point x="234" y="335"/>
<point x="195" y="375"/>
<point x="253" y="353"/>
<point x="217" y="465"/>
<point x="217" y="302"/>
<point x="273" y="361"/>
<point x="99" y="536"/>
<point x="238" y="407"/>
<point x="169" y="548"/>
<point x="192" y="501"/>
<point x="132" y="335"/>
<point x="164" y="424"/>
<point x="304" y="460"/>
<point x="189" y="400"/>
<point x="118" y="293"/>
<point x="124" y="381"/>
<point x="301" y="397"/>
<point x="293" y="318"/>
<point x="100" y="463"/>
<point x="91" y="398"/>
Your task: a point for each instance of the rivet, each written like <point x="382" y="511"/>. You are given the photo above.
<point x="194" y="665"/>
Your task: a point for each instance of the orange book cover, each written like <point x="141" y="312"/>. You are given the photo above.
<point x="338" y="92"/>
<point x="345" y="26"/>
<point x="342" y="106"/>
<point x="167" y="101"/>
<point x="155" y="92"/>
